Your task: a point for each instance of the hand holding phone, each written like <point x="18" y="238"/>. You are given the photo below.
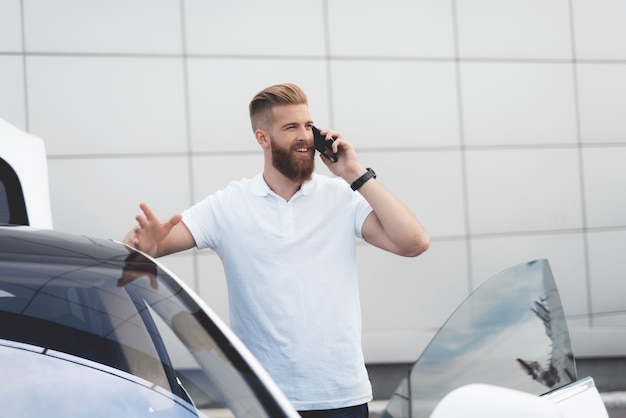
<point x="324" y="146"/>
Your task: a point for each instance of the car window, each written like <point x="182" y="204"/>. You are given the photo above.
<point x="510" y="332"/>
<point x="126" y="317"/>
<point x="12" y="203"/>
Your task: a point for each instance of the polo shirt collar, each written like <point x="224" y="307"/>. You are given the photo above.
<point x="260" y="187"/>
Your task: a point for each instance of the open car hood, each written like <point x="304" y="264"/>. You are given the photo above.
<point x="510" y="332"/>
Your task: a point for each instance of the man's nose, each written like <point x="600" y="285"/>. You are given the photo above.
<point x="305" y="134"/>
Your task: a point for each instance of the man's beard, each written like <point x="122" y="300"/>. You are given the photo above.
<point x="296" y="169"/>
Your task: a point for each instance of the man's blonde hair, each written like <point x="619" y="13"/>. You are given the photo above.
<point x="276" y="95"/>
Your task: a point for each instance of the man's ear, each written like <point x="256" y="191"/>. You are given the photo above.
<point x="262" y="137"/>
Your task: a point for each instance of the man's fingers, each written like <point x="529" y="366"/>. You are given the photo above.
<point x="147" y="211"/>
<point x="174" y="220"/>
<point x="336" y="143"/>
<point x="326" y="161"/>
<point x="142" y="221"/>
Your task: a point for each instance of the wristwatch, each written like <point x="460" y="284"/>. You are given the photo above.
<point x="370" y="174"/>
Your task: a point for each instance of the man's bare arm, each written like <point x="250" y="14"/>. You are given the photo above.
<point x="391" y="226"/>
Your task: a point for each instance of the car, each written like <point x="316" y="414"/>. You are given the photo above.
<point x="92" y="327"/>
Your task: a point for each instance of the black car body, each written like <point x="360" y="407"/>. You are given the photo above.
<point x="93" y="328"/>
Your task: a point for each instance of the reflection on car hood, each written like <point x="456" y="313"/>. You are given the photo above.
<point x="36" y="382"/>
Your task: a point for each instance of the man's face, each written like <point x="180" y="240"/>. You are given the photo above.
<point x="291" y="141"/>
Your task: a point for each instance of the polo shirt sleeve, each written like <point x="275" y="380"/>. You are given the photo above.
<point x="362" y="211"/>
<point x="202" y="220"/>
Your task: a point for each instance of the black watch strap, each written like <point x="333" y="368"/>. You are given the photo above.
<point x="370" y="174"/>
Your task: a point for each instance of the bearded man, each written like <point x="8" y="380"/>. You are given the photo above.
<point x="286" y="239"/>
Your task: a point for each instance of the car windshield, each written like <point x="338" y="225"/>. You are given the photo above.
<point x="510" y="332"/>
<point x="112" y="312"/>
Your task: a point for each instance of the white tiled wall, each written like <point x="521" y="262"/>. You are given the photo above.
<point x="111" y="105"/>
<point x="12" y="98"/>
<point x="514" y="29"/>
<point x="418" y="101"/>
<point x="255" y="28"/>
<point x="602" y="100"/>
<point x="112" y="26"/>
<point x="500" y="123"/>
<point x="521" y="190"/>
<point x="518" y="103"/>
<point x="599" y="29"/>
<point x="400" y="28"/>
<point x="10" y="26"/>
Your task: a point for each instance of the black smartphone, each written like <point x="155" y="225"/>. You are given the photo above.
<point x="323" y="146"/>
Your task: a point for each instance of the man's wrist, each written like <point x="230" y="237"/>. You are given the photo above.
<point x="368" y="175"/>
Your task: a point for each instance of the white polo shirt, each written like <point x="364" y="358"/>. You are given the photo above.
<point x="292" y="283"/>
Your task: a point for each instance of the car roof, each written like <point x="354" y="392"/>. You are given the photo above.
<point x="26" y="243"/>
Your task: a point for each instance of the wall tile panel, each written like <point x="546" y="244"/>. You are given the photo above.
<point x="602" y="102"/>
<point x="212" y="283"/>
<point x="396" y="28"/>
<point x="518" y="103"/>
<point x="270" y="27"/>
<point x="12" y="97"/>
<point x="599" y="29"/>
<point x="607" y="265"/>
<point x="214" y="172"/>
<point x="97" y="27"/>
<point x="605" y="186"/>
<point x="506" y="29"/>
<point x="523" y="190"/>
<point x="394" y="104"/>
<point x="100" y="196"/>
<point x="10" y="26"/>
<point x="94" y="105"/>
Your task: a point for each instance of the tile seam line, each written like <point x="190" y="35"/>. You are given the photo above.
<point x="326" y="56"/>
<point x="581" y="168"/>
<point x="458" y="78"/>
<point x="363" y="150"/>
